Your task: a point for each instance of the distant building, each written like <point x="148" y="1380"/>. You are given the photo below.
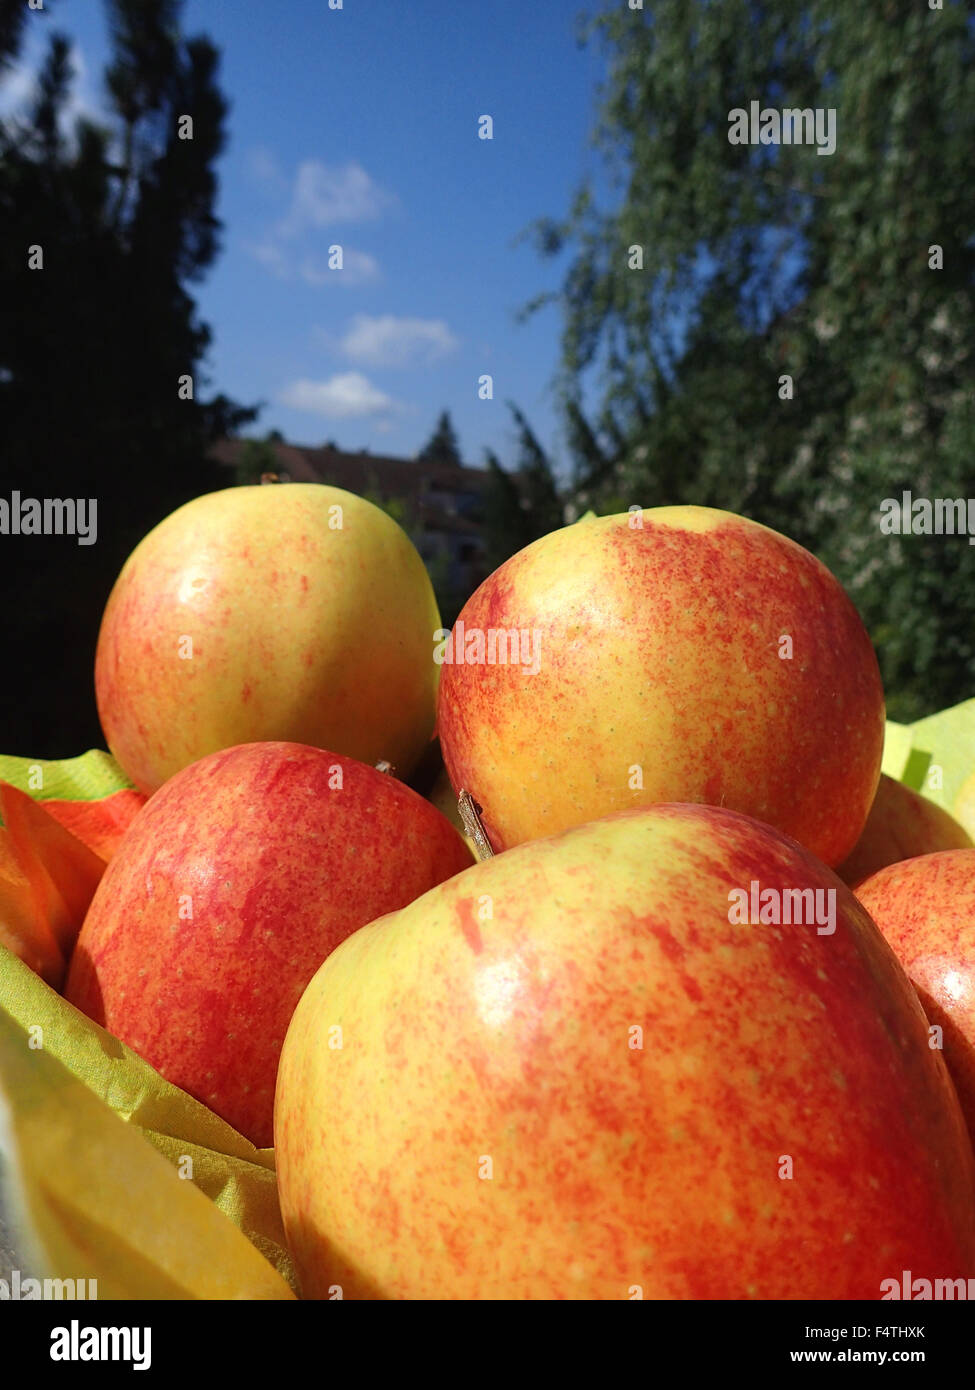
<point x="440" y="506"/>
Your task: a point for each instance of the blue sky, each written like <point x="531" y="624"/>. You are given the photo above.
<point x="359" y="127"/>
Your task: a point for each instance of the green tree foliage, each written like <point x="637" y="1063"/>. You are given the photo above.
<point x="257" y="457"/>
<point x="398" y="508"/>
<point x="765" y="261"/>
<point x="94" y="345"/>
<point x="523" y="503"/>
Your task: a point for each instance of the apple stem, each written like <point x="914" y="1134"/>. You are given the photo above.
<point x="470" y="813"/>
<point x="384" y="766"/>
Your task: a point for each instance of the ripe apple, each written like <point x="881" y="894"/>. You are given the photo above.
<point x="901" y="825"/>
<point x="567" y="1073"/>
<point x="294" y="612"/>
<point x="682" y="654"/>
<point x="233" y="884"/>
<point x="925" y="907"/>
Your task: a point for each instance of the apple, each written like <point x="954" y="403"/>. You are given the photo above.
<point x="901" y="825"/>
<point x="575" y="1071"/>
<point x="292" y="612"/>
<point x="925" y="907"/>
<point x="233" y="884"/>
<point x="679" y="654"/>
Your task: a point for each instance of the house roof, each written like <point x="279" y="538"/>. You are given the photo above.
<point x="363" y="472"/>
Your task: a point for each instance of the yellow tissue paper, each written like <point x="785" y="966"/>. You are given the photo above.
<point x="57" y="1062"/>
<point x="936" y="757"/>
<point x="90" y="1198"/>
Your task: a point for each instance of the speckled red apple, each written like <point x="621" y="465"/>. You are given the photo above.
<point x="901" y="825"/>
<point x="234" y="883"/>
<point x="293" y="612"/>
<point x="567" y="1074"/>
<point x="925" y="907"/>
<point x="684" y="654"/>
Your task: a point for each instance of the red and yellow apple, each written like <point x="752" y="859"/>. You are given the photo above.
<point x="676" y="654"/>
<point x="901" y="825"/>
<point x="925" y="907"/>
<point x="575" y="1071"/>
<point x="293" y="612"/>
<point x="233" y="884"/>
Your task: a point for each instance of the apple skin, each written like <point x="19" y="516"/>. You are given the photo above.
<point x="660" y="647"/>
<point x="901" y="825"/>
<point x="925" y="907"/>
<point x="467" y="1036"/>
<point x="301" y="632"/>
<point x="280" y="866"/>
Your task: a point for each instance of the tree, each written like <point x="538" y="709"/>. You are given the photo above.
<point x="523" y="504"/>
<point x="102" y="377"/>
<point x="783" y="333"/>
<point x="442" y="446"/>
<point x="12" y="18"/>
<point x="257" y="457"/>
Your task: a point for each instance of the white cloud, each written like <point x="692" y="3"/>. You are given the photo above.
<point x="358" y="268"/>
<point x="271" y="256"/>
<point x="17" y="88"/>
<point x="346" y="396"/>
<point x="388" y="341"/>
<point x="264" y="168"/>
<point x="321" y="196"/>
<point x="325" y="195"/>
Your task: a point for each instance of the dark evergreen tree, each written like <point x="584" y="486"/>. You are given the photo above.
<point x="102" y="353"/>
<point x="12" y="16"/>
<point x="442" y="446"/>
